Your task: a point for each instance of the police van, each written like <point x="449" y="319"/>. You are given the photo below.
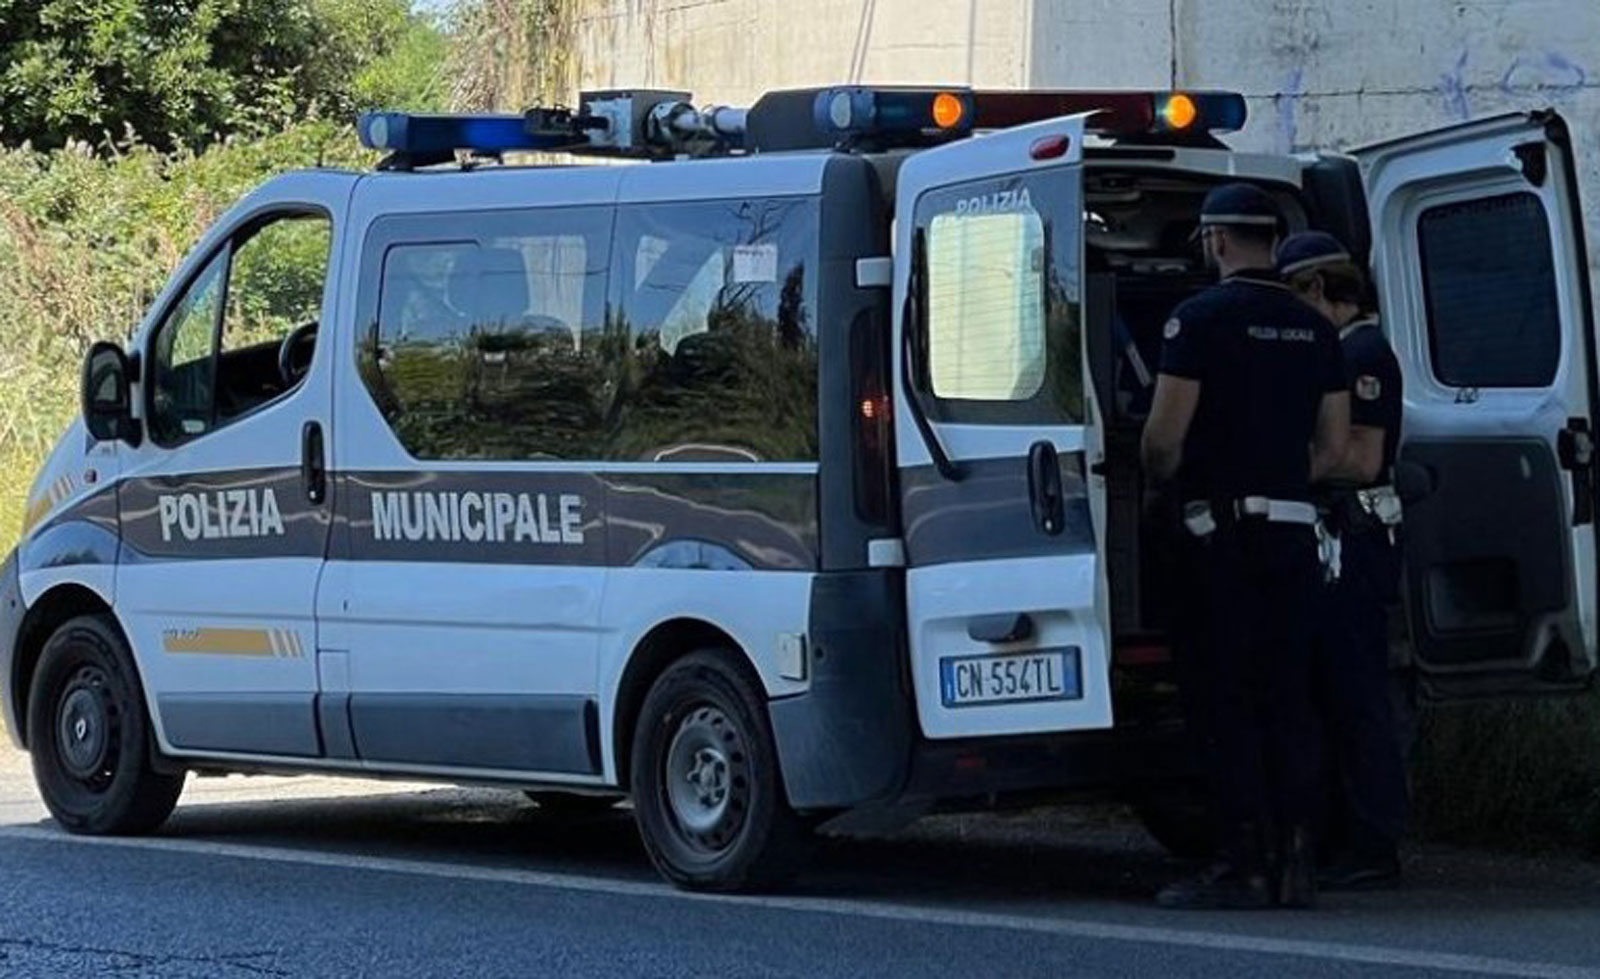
<point x="786" y="478"/>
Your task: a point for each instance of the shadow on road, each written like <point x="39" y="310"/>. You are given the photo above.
<point x="1000" y="860"/>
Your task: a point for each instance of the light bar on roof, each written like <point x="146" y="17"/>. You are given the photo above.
<point x="1126" y="114"/>
<point x="889" y="112"/>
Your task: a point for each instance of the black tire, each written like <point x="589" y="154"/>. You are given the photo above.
<point x="90" y="735"/>
<point x="571" y="805"/>
<point x="1179" y="817"/>
<point x="703" y="708"/>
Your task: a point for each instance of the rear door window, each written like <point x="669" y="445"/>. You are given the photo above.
<point x="986" y="302"/>
<point x="1489" y="281"/>
<point x="1001" y="330"/>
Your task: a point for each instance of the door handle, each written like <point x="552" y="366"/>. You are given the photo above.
<point x="1044" y="487"/>
<point x="1006" y="627"/>
<point x="313" y="472"/>
<point x="1575" y="450"/>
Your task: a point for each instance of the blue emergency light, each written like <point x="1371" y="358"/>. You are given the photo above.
<point x="439" y="136"/>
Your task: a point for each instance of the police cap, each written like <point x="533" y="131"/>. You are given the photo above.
<point x="1310" y="250"/>
<point x="1239" y="205"/>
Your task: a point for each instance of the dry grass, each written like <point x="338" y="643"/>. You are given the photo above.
<point x="1519" y="774"/>
<point x="512" y="54"/>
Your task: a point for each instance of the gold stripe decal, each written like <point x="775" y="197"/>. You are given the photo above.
<point x="277" y="643"/>
<point x="37" y="511"/>
<point x="48" y="499"/>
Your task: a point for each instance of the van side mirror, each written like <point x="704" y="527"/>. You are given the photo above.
<point x="107" y="399"/>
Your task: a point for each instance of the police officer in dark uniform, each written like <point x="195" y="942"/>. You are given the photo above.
<point x="1250" y="406"/>
<point x="1351" y="653"/>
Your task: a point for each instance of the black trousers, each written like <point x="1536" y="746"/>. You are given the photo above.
<point x="1350" y="666"/>
<point x="1244" y="657"/>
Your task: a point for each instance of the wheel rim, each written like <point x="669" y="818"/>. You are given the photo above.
<point x="87" y="741"/>
<point x="708" y="786"/>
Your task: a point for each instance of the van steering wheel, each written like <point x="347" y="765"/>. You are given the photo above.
<point x="294" y="355"/>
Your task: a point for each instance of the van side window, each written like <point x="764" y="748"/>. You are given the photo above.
<point x="1489" y="281"/>
<point x="1000" y="338"/>
<point x="486" y="339"/>
<point x="718" y="348"/>
<point x="212" y="363"/>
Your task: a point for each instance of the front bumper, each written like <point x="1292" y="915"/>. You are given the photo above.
<point x="11" y="613"/>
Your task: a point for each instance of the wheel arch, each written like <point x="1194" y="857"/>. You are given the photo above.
<point x="664" y="644"/>
<point x="48" y="612"/>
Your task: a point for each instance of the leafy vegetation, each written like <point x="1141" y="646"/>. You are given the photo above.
<point x="185" y="72"/>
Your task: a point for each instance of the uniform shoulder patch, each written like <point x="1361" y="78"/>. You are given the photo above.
<point x="1172" y="329"/>
<point x="1368" y="388"/>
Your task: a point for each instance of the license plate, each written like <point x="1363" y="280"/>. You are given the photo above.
<point x="1046" y="674"/>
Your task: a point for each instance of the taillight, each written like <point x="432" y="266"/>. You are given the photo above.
<point x="872" y="419"/>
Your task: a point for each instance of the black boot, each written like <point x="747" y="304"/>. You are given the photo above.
<point x="1238" y="881"/>
<point x="1369" y="869"/>
<point x="1297" y="869"/>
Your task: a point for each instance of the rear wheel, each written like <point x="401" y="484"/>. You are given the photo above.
<point x="90" y="736"/>
<point x="706" y="786"/>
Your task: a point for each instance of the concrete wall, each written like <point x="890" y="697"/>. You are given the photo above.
<point x="1319" y="73"/>
<point x="733" y="50"/>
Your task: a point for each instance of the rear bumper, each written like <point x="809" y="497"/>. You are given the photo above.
<point x="1113" y="761"/>
<point x="852" y="740"/>
<point x="11" y="613"/>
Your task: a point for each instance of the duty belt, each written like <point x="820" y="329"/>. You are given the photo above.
<point x="1200" y="516"/>
<point x="1276" y="511"/>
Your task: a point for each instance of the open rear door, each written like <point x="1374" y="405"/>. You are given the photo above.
<point x="1006" y="628"/>
<point x="1480" y="259"/>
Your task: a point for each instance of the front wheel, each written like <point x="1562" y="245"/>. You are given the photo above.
<point x="90" y="736"/>
<point x="706" y="787"/>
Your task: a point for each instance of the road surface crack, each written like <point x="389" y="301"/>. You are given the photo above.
<point x="23" y="951"/>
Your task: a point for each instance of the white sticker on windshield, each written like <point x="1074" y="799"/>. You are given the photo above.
<point x="755" y="263"/>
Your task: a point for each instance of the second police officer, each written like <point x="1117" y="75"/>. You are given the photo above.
<point x="1250" y="406"/>
<point x="1351" y="659"/>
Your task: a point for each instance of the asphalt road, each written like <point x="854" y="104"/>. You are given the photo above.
<point x="318" y="876"/>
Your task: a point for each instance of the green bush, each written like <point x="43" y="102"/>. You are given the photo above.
<point x="86" y="242"/>
<point x="186" y="72"/>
